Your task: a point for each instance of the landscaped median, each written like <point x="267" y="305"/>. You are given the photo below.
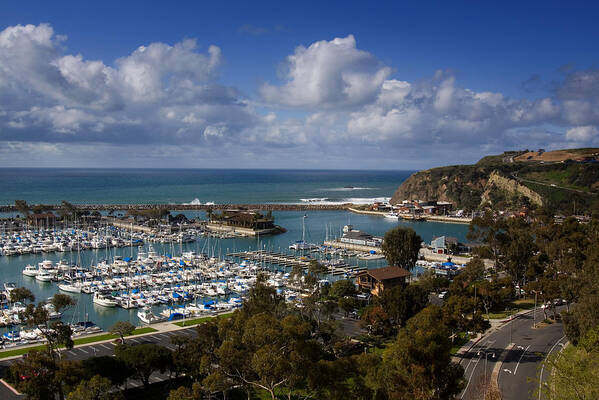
<point x="196" y="321"/>
<point x="84" y="340"/>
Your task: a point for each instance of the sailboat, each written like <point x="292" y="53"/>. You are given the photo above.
<point x="301" y="244"/>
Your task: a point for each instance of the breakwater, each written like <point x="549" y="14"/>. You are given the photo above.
<point x="193" y="207"/>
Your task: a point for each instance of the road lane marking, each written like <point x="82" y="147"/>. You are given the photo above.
<point x="106" y="347"/>
<point x="79" y="348"/>
<point x="543" y="365"/>
<point x="522" y="355"/>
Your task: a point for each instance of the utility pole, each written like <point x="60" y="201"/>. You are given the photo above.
<point x="534" y="312"/>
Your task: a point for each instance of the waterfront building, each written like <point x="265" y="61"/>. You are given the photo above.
<point x="354" y="236"/>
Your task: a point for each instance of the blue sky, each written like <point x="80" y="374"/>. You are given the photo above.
<point x="317" y="84"/>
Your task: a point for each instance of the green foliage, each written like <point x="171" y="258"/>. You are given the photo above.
<point x="144" y="359"/>
<point x="62" y="301"/>
<point x="575" y="370"/>
<point x="21" y="294"/>
<point x="400" y="304"/>
<point x="342" y="288"/>
<point x="122" y="328"/>
<point x="419" y="363"/>
<point x="401" y="247"/>
<point x="107" y="367"/>
<point x="22" y="207"/>
<point x="97" y="388"/>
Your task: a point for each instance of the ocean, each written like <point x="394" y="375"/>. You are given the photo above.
<point x="219" y="186"/>
<point x="231" y="186"/>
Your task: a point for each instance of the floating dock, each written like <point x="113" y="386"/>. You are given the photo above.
<point x="289" y="261"/>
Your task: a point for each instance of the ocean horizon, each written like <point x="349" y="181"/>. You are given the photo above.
<point x="197" y="185"/>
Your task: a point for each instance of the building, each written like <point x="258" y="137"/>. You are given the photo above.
<point x="378" y="280"/>
<point x="449" y="245"/>
<point x="243" y="219"/>
<point x="354" y="236"/>
<point x="45" y="220"/>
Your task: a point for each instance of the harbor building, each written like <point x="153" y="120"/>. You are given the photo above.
<point x="354" y="236"/>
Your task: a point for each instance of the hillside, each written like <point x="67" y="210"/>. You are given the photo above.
<point x="560" y="180"/>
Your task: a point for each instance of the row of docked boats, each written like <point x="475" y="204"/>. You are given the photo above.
<point x="66" y="240"/>
<point x="153" y="280"/>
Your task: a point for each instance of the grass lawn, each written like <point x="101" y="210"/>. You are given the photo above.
<point x="516" y="306"/>
<point x="83" y="340"/>
<point x="196" y="321"/>
<point x="459" y="341"/>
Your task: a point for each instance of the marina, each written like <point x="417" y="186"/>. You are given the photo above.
<point x="319" y="225"/>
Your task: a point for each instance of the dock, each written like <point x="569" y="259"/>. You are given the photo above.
<point x="290" y="261"/>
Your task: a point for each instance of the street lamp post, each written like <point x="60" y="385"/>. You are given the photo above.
<point x="486" y="353"/>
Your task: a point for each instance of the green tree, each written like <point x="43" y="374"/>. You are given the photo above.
<point x="195" y="356"/>
<point x="401" y="247"/>
<point x="97" y="388"/>
<point x="108" y="367"/>
<point x="489" y="231"/>
<point x="575" y="370"/>
<point x="144" y="359"/>
<point x="122" y="328"/>
<point x="56" y="333"/>
<point x="34" y="375"/>
<point x="22" y="207"/>
<point x="418" y="364"/>
<point x="342" y="288"/>
<point x="401" y="304"/>
<point x="21" y="294"/>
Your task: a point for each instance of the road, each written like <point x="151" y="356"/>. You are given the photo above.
<point x="517" y="350"/>
<point x="516" y="177"/>
<point x="107" y="349"/>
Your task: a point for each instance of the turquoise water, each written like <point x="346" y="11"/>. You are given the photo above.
<point x="220" y="186"/>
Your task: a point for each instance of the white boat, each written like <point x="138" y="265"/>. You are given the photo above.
<point x="146" y="316"/>
<point x="301" y="244"/>
<point x="103" y="300"/>
<point x="371" y="256"/>
<point x="10" y="286"/>
<point x="392" y="215"/>
<point x="43" y="276"/>
<point x="30" y="270"/>
<point x="70" y="287"/>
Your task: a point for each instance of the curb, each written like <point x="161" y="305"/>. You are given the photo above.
<point x="12" y="389"/>
<point x="463" y="350"/>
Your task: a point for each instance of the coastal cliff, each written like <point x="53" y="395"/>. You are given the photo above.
<point x="512" y="180"/>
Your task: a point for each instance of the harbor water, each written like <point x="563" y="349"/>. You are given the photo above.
<point x="319" y="226"/>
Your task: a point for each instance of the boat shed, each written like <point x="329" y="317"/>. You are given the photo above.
<point x="378" y="280"/>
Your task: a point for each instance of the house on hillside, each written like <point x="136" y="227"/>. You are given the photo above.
<point x="378" y="280"/>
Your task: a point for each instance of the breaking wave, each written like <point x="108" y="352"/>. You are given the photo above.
<point x="353" y="200"/>
<point x="345" y="189"/>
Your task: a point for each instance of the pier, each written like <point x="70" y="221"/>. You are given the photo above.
<point x="290" y="261"/>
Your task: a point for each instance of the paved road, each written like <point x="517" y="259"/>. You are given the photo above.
<point x="107" y="349"/>
<point x="519" y="364"/>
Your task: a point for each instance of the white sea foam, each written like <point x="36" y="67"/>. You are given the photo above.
<point x="194" y="202"/>
<point x="353" y="200"/>
<point x="197" y="202"/>
<point x="345" y="189"/>
<point x="314" y="200"/>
